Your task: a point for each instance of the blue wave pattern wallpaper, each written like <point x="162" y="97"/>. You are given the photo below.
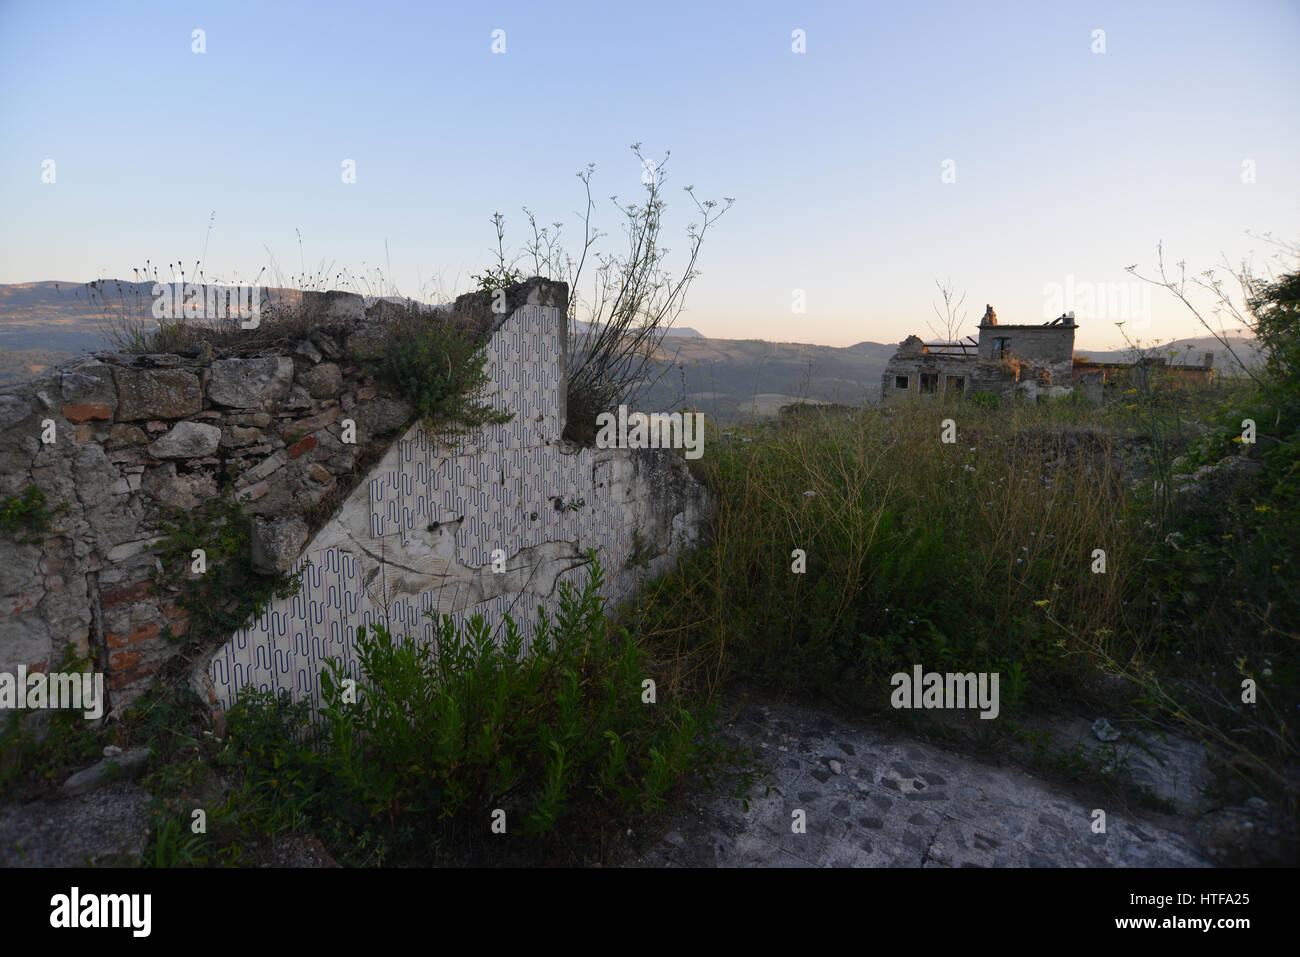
<point x="418" y="538"/>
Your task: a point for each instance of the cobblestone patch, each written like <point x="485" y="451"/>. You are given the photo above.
<point x="870" y="800"/>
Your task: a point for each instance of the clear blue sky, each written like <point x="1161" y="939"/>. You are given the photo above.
<point x="1068" y="163"/>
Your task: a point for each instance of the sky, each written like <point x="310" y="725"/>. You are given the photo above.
<point x="1008" y="149"/>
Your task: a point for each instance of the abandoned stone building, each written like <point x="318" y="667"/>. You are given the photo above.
<point x="1027" y="361"/>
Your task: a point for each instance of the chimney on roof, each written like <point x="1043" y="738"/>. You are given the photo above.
<point x="990" y="317"/>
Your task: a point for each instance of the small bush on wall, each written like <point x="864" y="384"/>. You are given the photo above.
<point x="440" y="370"/>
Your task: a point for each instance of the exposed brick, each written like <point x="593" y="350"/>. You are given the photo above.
<point x="132" y="675"/>
<point x="172" y="611"/>
<point x="115" y="596"/>
<point x="305" y="445"/>
<point x="119" y="661"/>
<point x="320" y="474"/>
<point x="117" y="639"/>
<point x="82" y="413"/>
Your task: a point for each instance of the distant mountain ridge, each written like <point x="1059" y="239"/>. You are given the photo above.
<point x="44" y="323"/>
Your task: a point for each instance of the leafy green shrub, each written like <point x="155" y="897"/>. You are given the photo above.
<point x="34" y="759"/>
<point x="229" y="592"/>
<point x="984" y="399"/>
<point x="1226" y="567"/>
<point x="441" y="734"/>
<point x="440" y="371"/>
<point x="28" y="511"/>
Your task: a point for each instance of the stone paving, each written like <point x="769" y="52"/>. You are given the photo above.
<point x="107" y="826"/>
<point x="872" y="799"/>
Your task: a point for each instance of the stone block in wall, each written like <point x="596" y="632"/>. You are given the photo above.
<point x="327" y="345"/>
<point x="156" y="394"/>
<point x="250" y="383"/>
<point x="25" y="640"/>
<point x="367" y="342"/>
<point x="178" y="491"/>
<point x="20" y="570"/>
<point x="15" y="410"/>
<point x="385" y="310"/>
<point x="322" y="381"/>
<point x="187" y="440"/>
<point x="309" y="351"/>
<point x="239" y="436"/>
<point x="277" y="543"/>
<point x="379" y="417"/>
<point x="126" y="550"/>
<point x="123" y="435"/>
<point x="298" y="398"/>
<point x="334" y="306"/>
<point x="88" y="382"/>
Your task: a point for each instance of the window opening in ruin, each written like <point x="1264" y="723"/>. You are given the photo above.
<point x="929" y="382"/>
<point x="900" y="382"/>
<point x="956" y="385"/>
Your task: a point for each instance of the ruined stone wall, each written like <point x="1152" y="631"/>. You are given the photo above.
<point x="121" y="444"/>
<point x="1039" y="361"/>
<point x="912" y="367"/>
<point x="1040" y="344"/>
<point x="1045" y="354"/>
<point x="136" y="441"/>
<point x="419" y="535"/>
